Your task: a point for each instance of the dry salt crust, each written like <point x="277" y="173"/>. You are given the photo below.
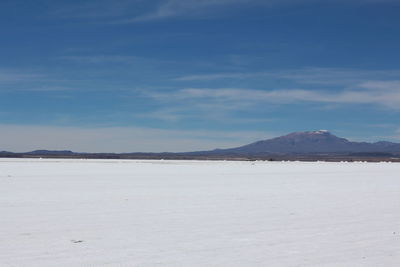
<point x="191" y="213"/>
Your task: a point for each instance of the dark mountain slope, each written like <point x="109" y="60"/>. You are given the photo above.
<point x="311" y="142"/>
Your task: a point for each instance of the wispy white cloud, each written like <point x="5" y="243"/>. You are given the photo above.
<point x="22" y="138"/>
<point x="210" y="112"/>
<point x="217" y="76"/>
<point x="335" y="76"/>
<point x="19" y="80"/>
<point x="164" y="114"/>
<point x="100" y="59"/>
<point x="235" y="97"/>
<point x="381" y="85"/>
<point x="176" y="8"/>
<point x="13" y="76"/>
<point x="320" y="76"/>
<point x="47" y="88"/>
<point x="132" y="11"/>
<point x="193" y="8"/>
<point x="99" y="9"/>
<point x="329" y="86"/>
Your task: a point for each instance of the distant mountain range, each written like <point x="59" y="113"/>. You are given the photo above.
<point x="320" y="141"/>
<point x="312" y="145"/>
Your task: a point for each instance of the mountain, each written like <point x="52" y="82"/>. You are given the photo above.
<point x="312" y="145"/>
<point x="320" y="141"/>
<point x="51" y="152"/>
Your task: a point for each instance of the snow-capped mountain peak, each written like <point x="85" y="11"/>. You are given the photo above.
<point x="321" y="141"/>
<point x="321" y="132"/>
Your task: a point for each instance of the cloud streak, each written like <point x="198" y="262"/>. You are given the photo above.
<point x="389" y="98"/>
<point x="320" y="76"/>
<point x="177" y="8"/>
<point x="11" y="76"/>
<point x="134" y="11"/>
<point x="325" y="85"/>
<point x="100" y="59"/>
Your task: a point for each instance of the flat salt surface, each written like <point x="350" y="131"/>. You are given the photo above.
<point x="198" y="213"/>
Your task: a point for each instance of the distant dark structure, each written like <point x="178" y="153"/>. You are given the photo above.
<point x="320" y="141"/>
<point x="304" y="146"/>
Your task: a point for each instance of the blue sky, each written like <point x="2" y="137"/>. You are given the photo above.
<point x="175" y="75"/>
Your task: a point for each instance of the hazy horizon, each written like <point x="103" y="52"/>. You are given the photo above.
<point x="82" y="138"/>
